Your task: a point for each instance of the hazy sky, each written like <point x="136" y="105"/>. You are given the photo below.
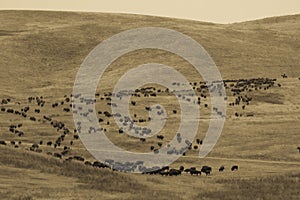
<point x="219" y="11"/>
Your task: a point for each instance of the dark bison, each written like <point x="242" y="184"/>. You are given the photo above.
<point x="100" y="165"/>
<point x="234" y="168"/>
<point x="88" y="163"/>
<point x="195" y="172"/>
<point x="181" y="168"/>
<point x="206" y="170"/>
<point x="161" y="137"/>
<point x="221" y="168"/>
<point x="66" y="109"/>
<point x="298" y="149"/>
<point x="32" y="118"/>
<point x="143" y="139"/>
<point x="2" y="142"/>
<point x="57" y="155"/>
<point x="79" y="158"/>
<point x="198" y="141"/>
<point x="49" y="143"/>
<point x="174" y="172"/>
<point x="10" y="110"/>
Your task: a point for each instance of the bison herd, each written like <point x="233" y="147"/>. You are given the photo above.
<point x="240" y="90"/>
<point x="166" y="171"/>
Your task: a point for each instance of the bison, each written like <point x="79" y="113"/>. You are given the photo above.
<point x="161" y="137"/>
<point x="57" y="155"/>
<point x="49" y="143"/>
<point x="234" y="168"/>
<point x="174" y="172"/>
<point x="195" y="172"/>
<point x="221" y="168"/>
<point x="206" y="170"/>
<point x="79" y="158"/>
<point x="98" y="164"/>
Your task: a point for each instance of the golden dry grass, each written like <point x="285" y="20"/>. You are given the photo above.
<point x="41" y="53"/>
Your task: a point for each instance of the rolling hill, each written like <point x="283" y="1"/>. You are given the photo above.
<point x="41" y="52"/>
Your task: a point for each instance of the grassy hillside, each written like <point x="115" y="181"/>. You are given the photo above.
<point x="40" y="54"/>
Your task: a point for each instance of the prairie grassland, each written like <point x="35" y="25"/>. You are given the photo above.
<point x="41" y="53"/>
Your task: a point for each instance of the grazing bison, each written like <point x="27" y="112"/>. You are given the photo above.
<point x="161" y="137"/>
<point x="54" y="105"/>
<point x="163" y="173"/>
<point x="174" y="172"/>
<point x="221" y="168"/>
<point x="2" y="142"/>
<point x="79" y="158"/>
<point x="32" y="118"/>
<point x="26" y="109"/>
<point x="39" y="150"/>
<point x="57" y="155"/>
<point x="206" y="170"/>
<point x="195" y="172"/>
<point x="88" y="163"/>
<point x="98" y="164"/>
<point x="69" y="159"/>
<point x="10" y="110"/>
<point x="234" y="168"/>
<point x="181" y="168"/>
<point x="199" y="141"/>
<point x="49" y="143"/>
<point x="142" y="139"/>
<point x="66" y="109"/>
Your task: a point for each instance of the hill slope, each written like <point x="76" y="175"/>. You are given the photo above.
<point x="40" y="54"/>
<point x="53" y="44"/>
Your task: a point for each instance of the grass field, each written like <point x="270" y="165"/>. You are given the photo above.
<point x="41" y="53"/>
